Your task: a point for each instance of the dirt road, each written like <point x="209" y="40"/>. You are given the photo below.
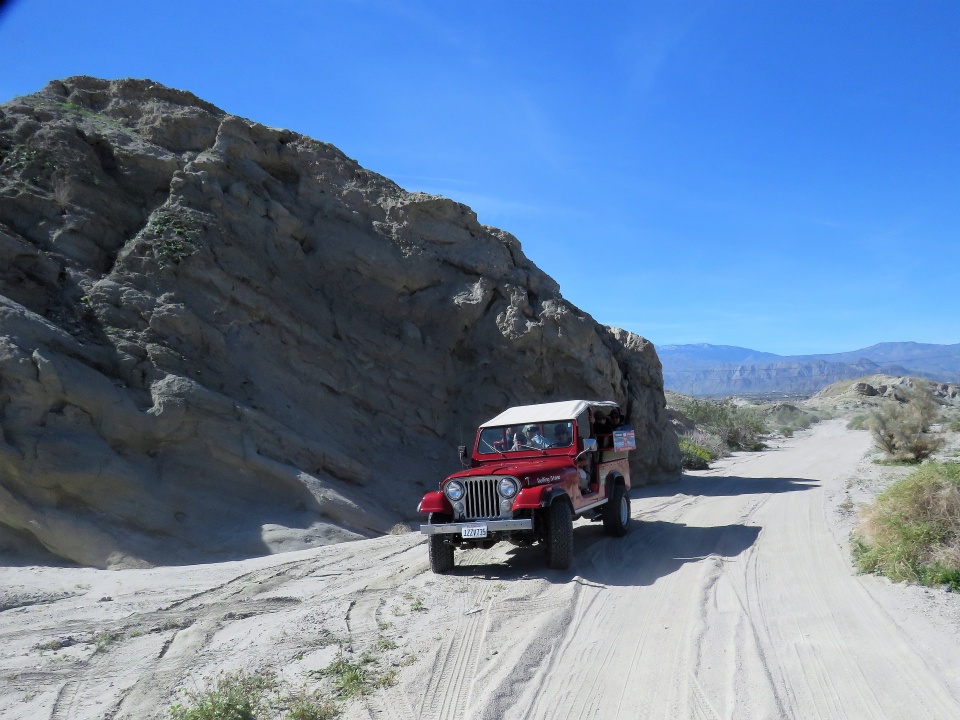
<point x="731" y="597"/>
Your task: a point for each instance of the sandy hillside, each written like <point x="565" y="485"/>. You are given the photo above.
<point x="731" y="597"/>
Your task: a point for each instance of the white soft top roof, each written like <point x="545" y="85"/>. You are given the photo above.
<point x="545" y="412"/>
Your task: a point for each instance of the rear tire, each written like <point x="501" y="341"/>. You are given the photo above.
<point x="616" y="513"/>
<point x="558" y="537"/>
<point x="439" y="550"/>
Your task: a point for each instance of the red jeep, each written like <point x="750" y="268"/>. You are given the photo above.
<point x="534" y="468"/>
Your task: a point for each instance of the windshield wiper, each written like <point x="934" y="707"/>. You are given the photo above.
<point x="502" y="454"/>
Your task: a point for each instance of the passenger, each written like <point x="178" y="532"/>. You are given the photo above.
<point x="616" y="419"/>
<point x="519" y="442"/>
<point x="537" y="440"/>
<point x="602" y="430"/>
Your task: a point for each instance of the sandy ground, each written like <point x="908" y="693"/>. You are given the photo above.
<point x="731" y="597"/>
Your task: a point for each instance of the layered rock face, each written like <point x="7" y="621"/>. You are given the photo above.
<point x="220" y="339"/>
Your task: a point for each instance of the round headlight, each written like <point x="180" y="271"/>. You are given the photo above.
<point x="453" y="490"/>
<point x="507" y="487"/>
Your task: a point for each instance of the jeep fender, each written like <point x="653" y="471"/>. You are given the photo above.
<point x="613" y="478"/>
<point x="534" y="498"/>
<point x="435" y="502"/>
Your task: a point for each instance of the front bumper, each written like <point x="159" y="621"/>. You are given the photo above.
<point x="493" y="526"/>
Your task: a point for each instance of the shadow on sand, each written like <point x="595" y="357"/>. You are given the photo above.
<point x="724" y="486"/>
<point x="652" y="549"/>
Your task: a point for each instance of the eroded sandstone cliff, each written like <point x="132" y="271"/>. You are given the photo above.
<point x="220" y="339"/>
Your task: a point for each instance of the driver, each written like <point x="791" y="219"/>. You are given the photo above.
<point x="536" y="440"/>
<point x="561" y="435"/>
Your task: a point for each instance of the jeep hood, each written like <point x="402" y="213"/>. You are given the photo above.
<point x="519" y="468"/>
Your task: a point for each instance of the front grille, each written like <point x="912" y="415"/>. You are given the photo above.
<point x="481" y="500"/>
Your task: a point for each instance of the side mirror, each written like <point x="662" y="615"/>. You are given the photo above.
<point x="462" y="450"/>
<point x="589" y="446"/>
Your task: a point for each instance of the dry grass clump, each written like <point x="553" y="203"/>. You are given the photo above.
<point x="902" y="431"/>
<point x="911" y="532"/>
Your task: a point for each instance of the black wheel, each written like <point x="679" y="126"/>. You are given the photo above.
<point x="558" y="536"/>
<point x="616" y="513"/>
<point x="440" y="551"/>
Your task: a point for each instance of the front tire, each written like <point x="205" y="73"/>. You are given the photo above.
<point x="558" y="537"/>
<point x="439" y="550"/>
<point x="616" y="513"/>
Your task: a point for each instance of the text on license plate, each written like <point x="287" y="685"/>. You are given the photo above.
<point x="474" y="530"/>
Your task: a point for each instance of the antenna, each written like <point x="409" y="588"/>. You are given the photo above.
<point x="462" y="449"/>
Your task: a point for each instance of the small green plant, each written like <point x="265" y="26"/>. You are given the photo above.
<point x="304" y="705"/>
<point x="384" y="644"/>
<point x="356" y="678"/>
<point x="104" y="640"/>
<point x="232" y="696"/>
<point x="911" y="532"/>
<point x="893" y="462"/>
<point x="57" y="644"/>
<point x="692" y="456"/>
<point x="174" y="239"/>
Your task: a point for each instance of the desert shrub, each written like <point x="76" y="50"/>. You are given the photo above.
<point x="692" y="456"/>
<point x="356" y="678"/>
<point x="713" y="444"/>
<point x="858" y="423"/>
<point x="739" y="428"/>
<point x="232" y="696"/>
<point x="911" y="532"/>
<point x="787" y="419"/>
<point x="310" y="706"/>
<point x="244" y="696"/>
<point x="902" y="430"/>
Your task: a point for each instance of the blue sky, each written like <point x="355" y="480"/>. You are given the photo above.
<point x="783" y="176"/>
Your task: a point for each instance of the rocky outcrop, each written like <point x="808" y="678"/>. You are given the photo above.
<point x="220" y="339"/>
<point x="862" y="388"/>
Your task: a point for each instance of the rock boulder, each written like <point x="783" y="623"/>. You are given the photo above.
<point x="220" y="339"/>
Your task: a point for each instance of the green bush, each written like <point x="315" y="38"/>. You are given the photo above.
<point x="739" y="428"/>
<point x="858" y="423"/>
<point x="356" y="678"/>
<point x="231" y="696"/>
<point x="902" y="431"/>
<point x="244" y="696"/>
<point x="692" y="456"/>
<point x="911" y="532"/>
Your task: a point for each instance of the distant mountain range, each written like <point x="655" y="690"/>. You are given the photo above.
<point x="727" y="370"/>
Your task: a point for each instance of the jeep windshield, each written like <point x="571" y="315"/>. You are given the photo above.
<point x="504" y="439"/>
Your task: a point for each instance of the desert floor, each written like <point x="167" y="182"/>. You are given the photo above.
<point x="732" y="596"/>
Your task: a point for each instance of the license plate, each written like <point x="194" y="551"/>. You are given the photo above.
<point x="476" y="530"/>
